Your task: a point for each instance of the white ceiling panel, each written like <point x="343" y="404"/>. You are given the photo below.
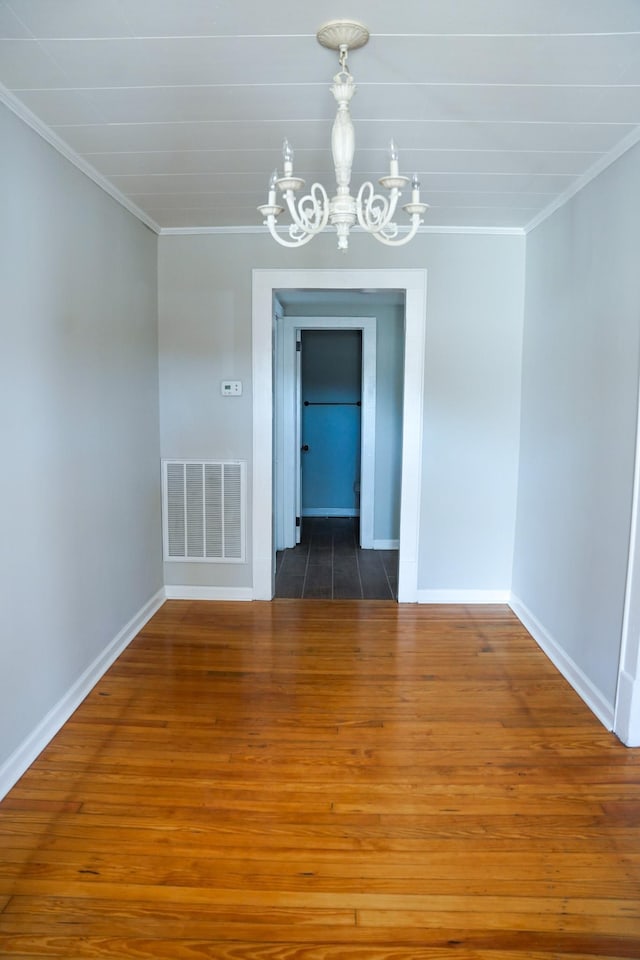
<point x="190" y="136"/>
<point x="72" y="18"/>
<point x="373" y="162"/>
<point x="501" y="106"/>
<point x="450" y="198"/>
<point x="190" y="61"/>
<point x="203" y="184"/>
<point x="538" y="104"/>
<point x="231" y="61"/>
<point x="496" y="182"/>
<point x="26" y="66"/>
<point x="184" y="136"/>
<point x="491" y="59"/>
<point x="426" y="103"/>
<point x="61" y="106"/>
<point x="142" y="104"/>
<point x="203" y="161"/>
<point x="121" y="18"/>
<point x="497" y="161"/>
<point x="303" y="17"/>
<point x="10" y="26"/>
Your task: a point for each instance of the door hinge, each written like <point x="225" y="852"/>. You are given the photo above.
<point x="297" y="521"/>
<point x="298" y="346"/>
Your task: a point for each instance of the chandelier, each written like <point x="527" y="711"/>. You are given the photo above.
<point x="373" y="212"/>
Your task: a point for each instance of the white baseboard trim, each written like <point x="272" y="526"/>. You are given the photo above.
<point x="182" y="592"/>
<point x="386" y="544"/>
<point x="463" y="596"/>
<point x="22" y="758"/>
<point x="563" y="662"/>
<point x="627" y="721"/>
<point x="330" y="512"/>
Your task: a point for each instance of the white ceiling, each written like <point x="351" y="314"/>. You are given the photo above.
<point x="502" y="107"/>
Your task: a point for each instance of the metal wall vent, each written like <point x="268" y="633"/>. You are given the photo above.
<point x="204" y="510"/>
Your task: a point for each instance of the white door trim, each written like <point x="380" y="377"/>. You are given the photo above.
<point x="265" y="282"/>
<point x="626" y="722"/>
<point x="287" y="451"/>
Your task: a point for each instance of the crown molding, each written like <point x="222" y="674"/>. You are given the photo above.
<point x="598" y="167"/>
<point x="16" y="106"/>
<point x="215" y="231"/>
<point x="483" y="231"/>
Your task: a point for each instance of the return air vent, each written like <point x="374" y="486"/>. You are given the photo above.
<point x="204" y="510"/>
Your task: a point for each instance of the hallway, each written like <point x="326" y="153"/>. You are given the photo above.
<point x="328" y="564"/>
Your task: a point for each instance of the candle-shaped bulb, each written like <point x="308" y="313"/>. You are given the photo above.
<point x="287" y="155"/>
<point x="393" y="159"/>
<point x="415" y="189"/>
<point x="273" y="180"/>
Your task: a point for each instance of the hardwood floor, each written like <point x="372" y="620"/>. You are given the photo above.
<point x="326" y="781"/>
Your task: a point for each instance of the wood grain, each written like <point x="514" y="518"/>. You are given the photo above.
<point x="305" y="780"/>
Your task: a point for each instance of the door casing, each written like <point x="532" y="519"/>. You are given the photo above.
<point x="413" y="283"/>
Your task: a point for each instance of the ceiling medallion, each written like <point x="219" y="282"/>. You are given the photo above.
<point x="314" y="211"/>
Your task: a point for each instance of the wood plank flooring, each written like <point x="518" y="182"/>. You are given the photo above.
<point x="326" y="781"/>
<point x="328" y="564"/>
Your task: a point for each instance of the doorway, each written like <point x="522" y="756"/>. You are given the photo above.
<point x="326" y="384"/>
<point x="288" y="402"/>
<point x="412" y="284"/>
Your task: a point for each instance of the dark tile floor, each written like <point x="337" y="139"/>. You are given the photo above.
<point x="328" y="564"/>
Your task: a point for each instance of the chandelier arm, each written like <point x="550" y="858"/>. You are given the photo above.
<point x="299" y="242"/>
<point x="391" y="241"/>
<point x="376" y="211"/>
<point x="317" y="219"/>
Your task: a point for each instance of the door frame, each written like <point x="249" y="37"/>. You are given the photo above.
<point x="287" y="453"/>
<point x="626" y="720"/>
<point x="413" y="283"/>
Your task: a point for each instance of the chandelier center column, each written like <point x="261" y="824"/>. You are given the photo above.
<point x="342" y="212"/>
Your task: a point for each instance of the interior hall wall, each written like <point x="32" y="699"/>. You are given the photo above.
<point x="471" y="400"/>
<point x="579" y="411"/>
<point x="80" y="551"/>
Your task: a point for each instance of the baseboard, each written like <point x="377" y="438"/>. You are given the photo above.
<point x="22" y="758"/>
<point x="463" y="596"/>
<point x="627" y="719"/>
<point x="563" y="662"/>
<point x="183" y="592"/>
<point x="386" y="544"/>
<point x="330" y="512"/>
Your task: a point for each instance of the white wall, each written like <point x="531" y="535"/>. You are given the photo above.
<point x="579" y="406"/>
<point x="80" y="544"/>
<point x="474" y="328"/>
<point x="472" y="415"/>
